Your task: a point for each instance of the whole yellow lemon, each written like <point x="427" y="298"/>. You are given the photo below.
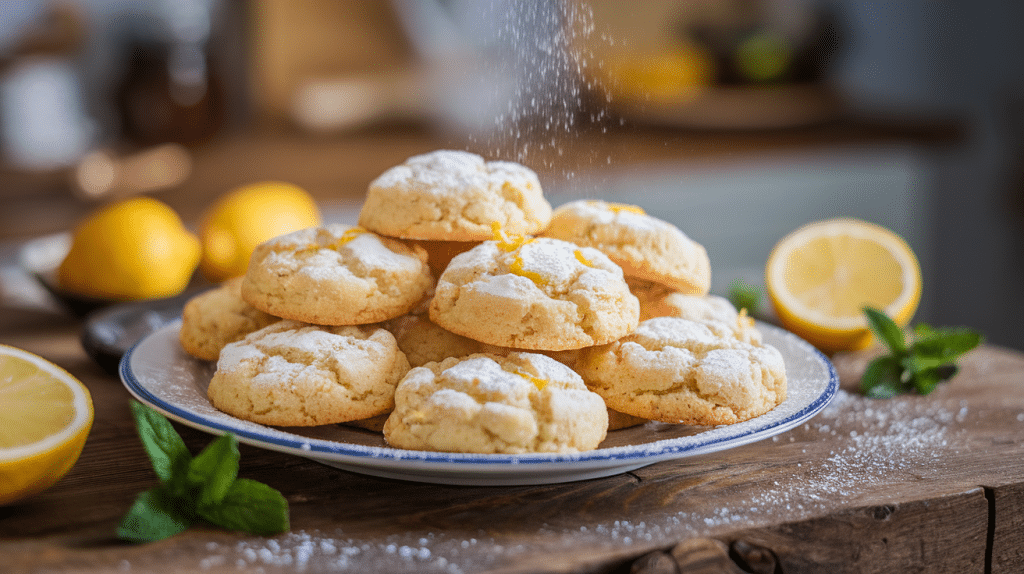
<point x="136" y="248"/>
<point x="247" y="216"/>
<point x="673" y="75"/>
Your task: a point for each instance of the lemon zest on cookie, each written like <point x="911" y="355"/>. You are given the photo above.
<point x="582" y="259"/>
<point x="348" y="235"/>
<point x="507" y="243"/>
<point x="309" y="248"/>
<point x="620" y="207"/>
<point x="537" y="381"/>
<point x="517" y="269"/>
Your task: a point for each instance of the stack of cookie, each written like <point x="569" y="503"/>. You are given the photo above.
<point x="464" y="315"/>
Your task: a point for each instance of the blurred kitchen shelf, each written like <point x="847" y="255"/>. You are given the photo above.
<point x="339" y="167"/>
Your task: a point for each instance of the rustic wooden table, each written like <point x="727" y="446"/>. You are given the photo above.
<point x="910" y="484"/>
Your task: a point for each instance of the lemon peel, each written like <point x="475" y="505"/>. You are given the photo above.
<point x="822" y="275"/>
<point x="46" y="417"/>
<point x="132" y="249"/>
<point x="249" y="215"/>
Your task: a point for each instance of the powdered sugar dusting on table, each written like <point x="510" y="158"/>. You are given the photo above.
<point x="879" y="439"/>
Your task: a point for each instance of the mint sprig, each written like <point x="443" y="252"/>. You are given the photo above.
<point x="742" y="295"/>
<point x="918" y="365"/>
<point x="195" y="489"/>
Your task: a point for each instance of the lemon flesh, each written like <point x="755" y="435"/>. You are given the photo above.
<point x="836" y="275"/>
<point x="44" y="422"/>
<point x="821" y="276"/>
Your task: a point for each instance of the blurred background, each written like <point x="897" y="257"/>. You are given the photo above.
<point x="736" y="120"/>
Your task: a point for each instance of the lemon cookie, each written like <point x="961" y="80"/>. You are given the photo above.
<point x="336" y="275"/>
<point x="294" y="374"/>
<point x="454" y="196"/>
<point x="716" y="312"/>
<point x="679" y="371"/>
<point x="644" y="246"/>
<point x="423" y="341"/>
<point x="217" y="317"/>
<point x="485" y="403"/>
<point x="616" y="420"/>
<point x="536" y="294"/>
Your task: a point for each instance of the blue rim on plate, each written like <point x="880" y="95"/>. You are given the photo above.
<point x="157" y="372"/>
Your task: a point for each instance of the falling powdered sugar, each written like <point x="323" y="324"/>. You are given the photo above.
<point x="542" y="86"/>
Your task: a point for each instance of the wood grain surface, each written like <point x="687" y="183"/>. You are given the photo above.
<point x="930" y="484"/>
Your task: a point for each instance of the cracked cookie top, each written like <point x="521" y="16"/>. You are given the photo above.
<point x="679" y="371"/>
<point x="294" y="374"/>
<point x="336" y="275"/>
<point x="454" y="196"/>
<point x="536" y="294"/>
<point x="714" y="311"/>
<point x="216" y="317"/>
<point x="486" y="403"/>
<point x="644" y="246"/>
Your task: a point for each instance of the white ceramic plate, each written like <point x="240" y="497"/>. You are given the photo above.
<point x="160" y="374"/>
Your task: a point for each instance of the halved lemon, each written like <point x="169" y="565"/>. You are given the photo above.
<point x="821" y="276"/>
<point x="45" y="417"/>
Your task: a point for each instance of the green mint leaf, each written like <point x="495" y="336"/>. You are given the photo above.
<point x="926" y="380"/>
<point x="744" y="296"/>
<point x="922" y="330"/>
<point x="163" y="444"/>
<point x="914" y="363"/>
<point x="946" y="344"/>
<point x="886" y="330"/>
<point x="250" y="506"/>
<point x="215" y="469"/>
<point x="154" y="515"/>
<point x="882" y="378"/>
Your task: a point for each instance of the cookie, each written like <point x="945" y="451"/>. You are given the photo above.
<point x="645" y="247"/>
<point x="294" y="374"/>
<point x="424" y="342"/>
<point x="678" y="371"/>
<point x="216" y="317"/>
<point x="336" y="275"/>
<point x="454" y="196"/>
<point x="535" y="294"/>
<point x="485" y="403"/>
<point x="716" y="312"/>
<point x="616" y="420"/>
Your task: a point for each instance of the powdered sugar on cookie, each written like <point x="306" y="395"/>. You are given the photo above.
<point x="336" y="275"/>
<point x="484" y="403"/>
<point x="294" y="374"/>
<point x="454" y="196"/>
<point x="644" y="246"/>
<point x="542" y="294"/>
<point x="675" y="370"/>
